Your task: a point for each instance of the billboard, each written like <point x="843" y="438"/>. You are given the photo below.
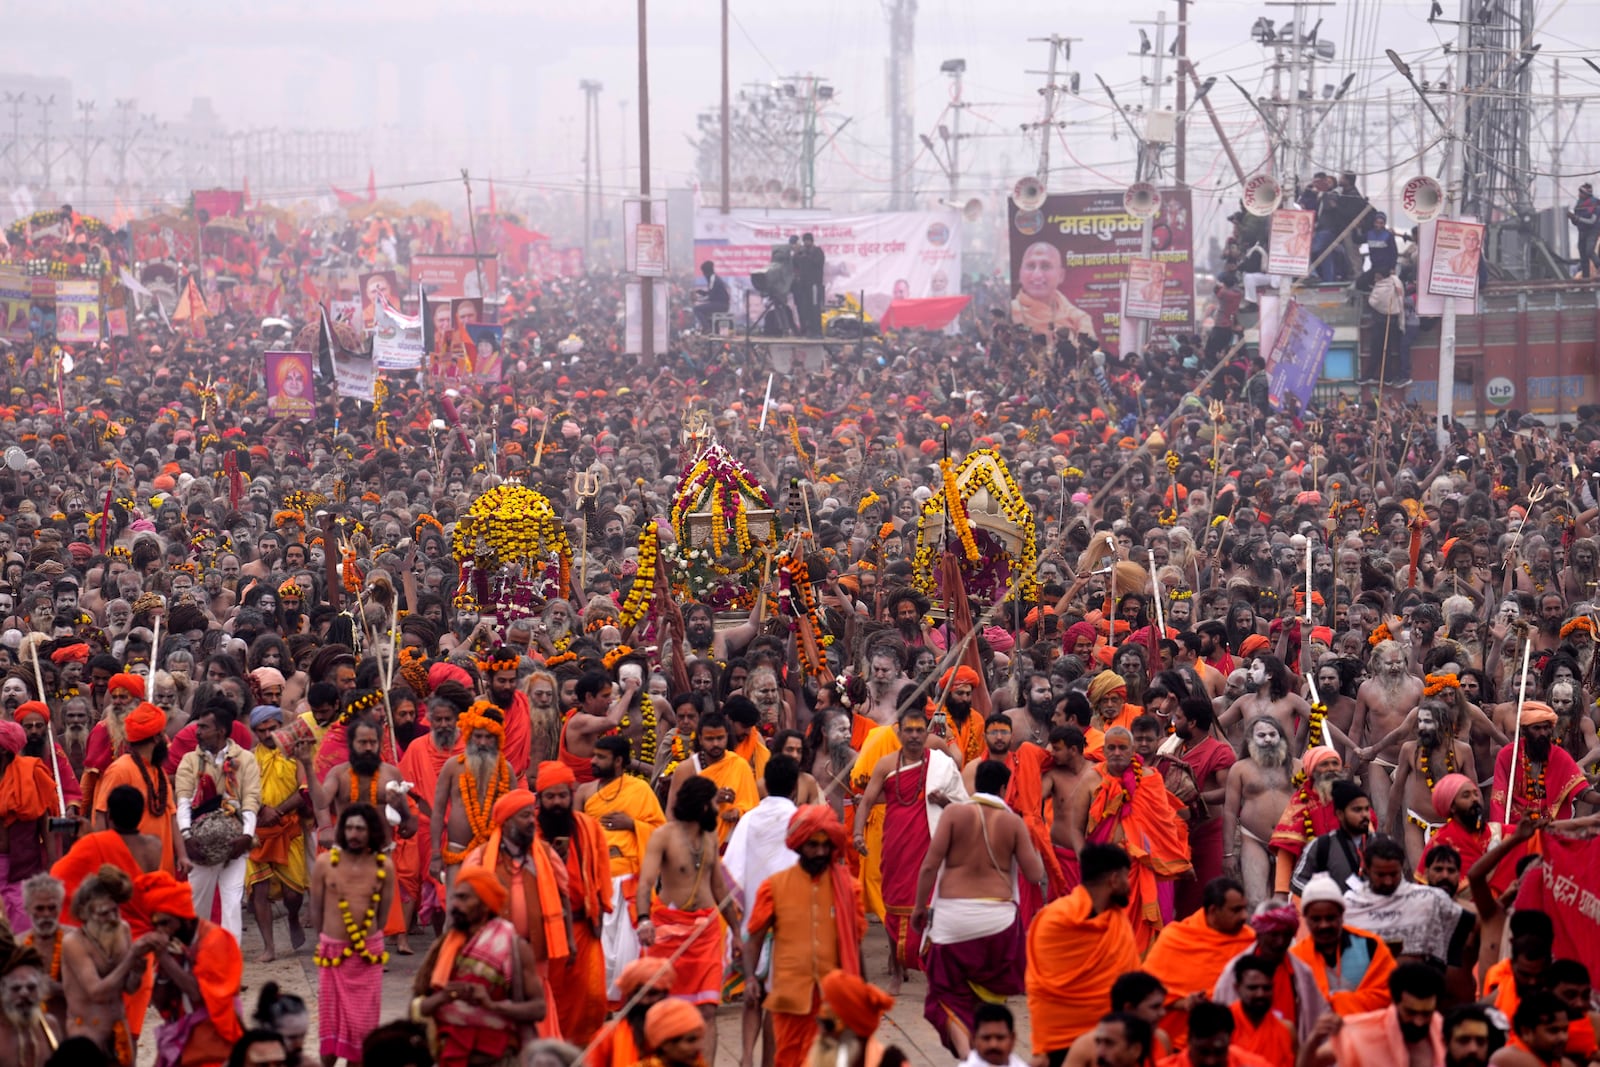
<point x="453" y="276"/>
<point x="886" y="256"/>
<point x="1070" y="260"/>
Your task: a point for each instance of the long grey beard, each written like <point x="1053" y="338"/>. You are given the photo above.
<point x="1270" y="755"/>
<point x="483" y="766"/>
<point x="108" y="936"/>
<point x="75" y="736"/>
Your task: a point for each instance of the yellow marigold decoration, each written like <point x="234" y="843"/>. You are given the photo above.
<point x="512" y="524"/>
<point x="1180" y="594"/>
<point x="867" y="501"/>
<point x="984" y="469"/>
<point x="599" y="622"/>
<point x="349" y="572"/>
<point x="1071" y="472"/>
<point x="488" y="664"/>
<point x="719" y="486"/>
<point x="365" y="702"/>
<point x="1379" y="635"/>
<point x="1317" y="733"/>
<point x="302" y="501"/>
<point x="616" y="656"/>
<point x="1173" y="462"/>
<point x="290" y="590"/>
<point x="1168" y="517"/>
<point x="1434" y="684"/>
<point x="641" y="594"/>
<point x="956" y="510"/>
<point x="427" y="522"/>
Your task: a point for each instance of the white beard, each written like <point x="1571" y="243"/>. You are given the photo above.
<point x="1275" y="755"/>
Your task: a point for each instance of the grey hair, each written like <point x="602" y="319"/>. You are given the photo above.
<point x="43" y="884"/>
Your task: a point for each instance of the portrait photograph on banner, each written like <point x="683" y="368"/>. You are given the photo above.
<point x="290" y="389"/>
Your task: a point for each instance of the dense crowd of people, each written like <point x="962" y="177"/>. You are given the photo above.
<point x="1212" y="734"/>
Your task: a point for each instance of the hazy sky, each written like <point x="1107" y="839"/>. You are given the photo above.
<point x="493" y="84"/>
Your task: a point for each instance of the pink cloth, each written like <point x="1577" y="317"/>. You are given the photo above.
<point x="349" y="997"/>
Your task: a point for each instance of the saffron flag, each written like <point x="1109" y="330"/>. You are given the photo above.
<point x="1562" y="890"/>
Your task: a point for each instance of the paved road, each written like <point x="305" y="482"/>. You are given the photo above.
<point x="904" y="1026"/>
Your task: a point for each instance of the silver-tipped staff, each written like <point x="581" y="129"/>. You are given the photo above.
<point x="1534" y="497"/>
<point x="49" y="732"/>
<point x="155" y="651"/>
<point x="1516" y="735"/>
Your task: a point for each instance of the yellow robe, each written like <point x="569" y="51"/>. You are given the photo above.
<point x="733" y="773"/>
<point x="880" y="742"/>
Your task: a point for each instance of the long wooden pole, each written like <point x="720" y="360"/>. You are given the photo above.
<point x="50" y="732"/>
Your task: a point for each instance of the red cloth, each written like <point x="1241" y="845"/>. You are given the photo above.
<point x="1563" y="779"/>
<point x="923" y="313"/>
<point x="906" y="836"/>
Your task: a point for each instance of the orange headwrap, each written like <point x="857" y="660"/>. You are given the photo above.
<point x="809" y="820"/>
<point x="553" y="773"/>
<point x="485" y="883"/>
<point x="1254" y="644"/>
<point x="963" y="675"/>
<point x="859" y="1005"/>
<point x="646" y="973"/>
<point x="131" y="684"/>
<point x="144" y="722"/>
<point x="165" y="895"/>
<point x="475" y="718"/>
<point x="32" y="707"/>
<point x="1104" y="684"/>
<point x="1535" y="712"/>
<point x="78" y="653"/>
<point x="672" y="1018"/>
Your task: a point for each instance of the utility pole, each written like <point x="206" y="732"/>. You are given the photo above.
<point x="727" y="179"/>
<point x="955" y="68"/>
<point x="1181" y="102"/>
<point x="1388" y="152"/>
<point x="1555" y="156"/>
<point x="1149" y="164"/>
<point x="44" y="137"/>
<point x="647" y="301"/>
<point x="14" y="149"/>
<point x="622" y="128"/>
<point x="591" y="137"/>
<point x="1455" y="178"/>
<point x="1059" y="47"/>
<point x="902" y="47"/>
<point x="86" y="109"/>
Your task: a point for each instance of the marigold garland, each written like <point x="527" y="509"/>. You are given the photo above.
<point x="365" y="702"/>
<point x="1316" y="734"/>
<point x="1003" y="490"/>
<point x="867" y="501"/>
<point x="478" y="814"/>
<point x="357" y="934"/>
<point x="642" y="592"/>
<point x="1379" y="635"/>
<point x="616" y="656"/>
<point x="1582" y="622"/>
<point x="1434" y="684"/>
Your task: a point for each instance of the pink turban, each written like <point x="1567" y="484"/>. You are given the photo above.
<point x="1445" y="792"/>
<point x="1314" y="756"/>
<point x="12" y="736"/>
<point x="1276" y="920"/>
<point x="1075" y="631"/>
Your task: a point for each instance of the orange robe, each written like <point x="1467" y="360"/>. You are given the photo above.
<point x="421" y="765"/>
<point x="536" y="902"/>
<point x="1273" y="1040"/>
<point x="1145" y="822"/>
<point x="579" y="980"/>
<point x="1371" y="994"/>
<point x="86" y="856"/>
<point x="1237" y="1057"/>
<point x="733" y="773"/>
<point x="518" y="745"/>
<point x="615" y="1048"/>
<point x="1025" y="795"/>
<point x="218" y="968"/>
<point x="754" y="751"/>
<point x="27" y="792"/>
<point x="123" y="771"/>
<point x="1188" y="956"/>
<point x="1073" y="959"/>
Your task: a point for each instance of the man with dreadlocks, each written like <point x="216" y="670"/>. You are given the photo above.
<point x="499" y="670"/>
<point x="27" y="1035"/>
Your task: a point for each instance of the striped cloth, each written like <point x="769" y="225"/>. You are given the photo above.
<point x="349" y="998"/>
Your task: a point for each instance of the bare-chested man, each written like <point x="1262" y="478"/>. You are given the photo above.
<point x="100" y="962"/>
<point x="1070" y="770"/>
<point x="1031" y="722"/>
<point x="1382" y="703"/>
<point x="350" y="952"/>
<point x="28" y="1035"/>
<point x="1330" y="687"/>
<point x="977" y="855"/>
<point x="1435" y="753"/>
<point x="601" y="707"/>
<point x="457" y="827"/>
<point x="833" y="759"/>
<point x="364" y="779"/>
<point x="884" y="679"/>
<point x="1268" y="691"/>
<point x="997" y="733"/>
<point x="682" y="858"/>
<point x="1259" y="788"/>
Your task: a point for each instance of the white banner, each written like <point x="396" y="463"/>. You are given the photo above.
<point x="886" y="256"/>
<point x="1290" y="246"/>
<point x="396" y="339"/>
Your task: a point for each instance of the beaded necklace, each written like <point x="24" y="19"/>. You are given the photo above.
<point x="1533" y="787"/>
<point x="478" y="811"/>
<point x="1427" y="771"/>
<point x="1538" y="586"/>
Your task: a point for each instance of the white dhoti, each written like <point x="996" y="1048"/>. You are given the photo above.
<point x="959" y="919"/>
<point x="618" y="937"/>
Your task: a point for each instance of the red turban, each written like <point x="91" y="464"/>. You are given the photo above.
<point x="78" y="653"/>
<point x="486" y="884"/>
<point x="144" y="722"/>
<point x="646" y="973"/>
<point x="165" y="895"/>
<point x="553" y="773"/>
<point x="448" y="672"/>
<point x="1323" y="634"/>
<point x="509" y="805"/>
<point x="809" y="820"/>
<point x="671" y="1018"/>
<point x="131" y="684"/>
<point x="1445" y="793"/>
<point x="12" y="737"/>
<point x="33" y="707"/>
<point x="1282" y="920"/>
<point x="859" y="1005"/>
<point x="1254" y="644"/>
<point x="963" y="675"/>
<point x="1075" y="631"/>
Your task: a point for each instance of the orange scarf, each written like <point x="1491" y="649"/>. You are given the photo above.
<point x="27" y="792"/>
<point x="544" y="875"/>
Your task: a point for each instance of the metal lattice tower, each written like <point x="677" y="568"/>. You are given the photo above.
<point x="902" y="136"/>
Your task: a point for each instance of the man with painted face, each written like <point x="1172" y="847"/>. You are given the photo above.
<point x="1435" y="753"/>
<point x="1258" y="790"/>
<point x="1382" y="703"/>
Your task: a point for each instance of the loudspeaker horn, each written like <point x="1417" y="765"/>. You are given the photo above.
<point x="1141" y="200"/>
<point x="16" y="458"/>
<point x="1262" y="195"/>
<point x="1028" y="194"/>
<point x="972" y="210"/>
<point x="1421" y="198"/>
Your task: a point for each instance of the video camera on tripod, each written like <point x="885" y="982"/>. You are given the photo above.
<point x="774" y="285"/>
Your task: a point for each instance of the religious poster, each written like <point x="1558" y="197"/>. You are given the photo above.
<point x="117" y="322"/>
<point x="1147" y="280"/>
<point x="347" y="313"/>
<point x="453" y="276"/>
<point x="1298" y="350"/>
<point x="289" y="385"/>
<point x="396" y="340"/>
<point x="488" y="352"/>
<point x="1457" y="250"/>
<point x="379" y="285"/>
<point x="1070" y="259"/>
<point x="16" y="297"/>
<point x="77" y="310"/>
<point x="651" y="245"/>
<point x="1289" y="252"/>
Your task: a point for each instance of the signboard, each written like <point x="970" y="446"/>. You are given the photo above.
<point x="77" y="311"/>
<point x="632" y="302"/>
<point x="1146" y="280"/>
<point x="1289" y="253"/>
<point x="1457" y="250"/>
<point x="16" y="296"/>
<point x="1070" y="260"/>
<point x="289" y="385"/>
<point x="651" y="243"/>
<point x="453" y="276"/>
<point x="884" y="256"/>
<point x="1296" y="356"/>
<point x="396" y="340"/>
<point x="354" y="374"/>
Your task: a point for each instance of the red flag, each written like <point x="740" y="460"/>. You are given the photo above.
<point x="191" y="305"/>
<point x="492" y="209"/>
<point x="959" y="611"/>
<point x="372" y="186"/>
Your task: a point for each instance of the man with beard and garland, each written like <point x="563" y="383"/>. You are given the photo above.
<point x="27" y="801"/>
<point x="1382" y="703"/>
<point x="534" y="880"/>
<point x="499" y="669"/>
<point x="101" y="962"/>
<point x="1210" y="761"/>
<point x="1130" y="807"/>
<point x="956" y="717"/>
<point x="215" y="782"/>
<point x="469" y="787"/>
<point x="1466" y="827"/>
<point x="1269" y="691"/>
<point x="422" y="897"/>
<point x="1434" y="754"/>
<point x="366" y="779"/>
<point x="28" y="1035"/>
<point x="578" y="979"/>
<point x="108" y="738"/>
<point x="628" y="812"/>
<point x="816" y="917"/>
<point x="1546" y="781"/>
<point x="642" y="984"/>
<point x="34" y="716"/>
<point x="277" y="865"/>
<point x="352" y="878"/>
<point x="1309" y="814"/>
<point x="1030" y="723"/>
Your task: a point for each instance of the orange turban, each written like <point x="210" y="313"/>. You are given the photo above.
<point x="963" y="675"/>
<point x="646" y="974"/>
<point x="553" y="773"/>
<point x="672" y="1018"/>
<point x="485" y="883"/>
<point x="859" y="1005"/>
<point x="809" y="820"/>
<point x="32" y="707"/>
<point x="1314" y="756"/>
<point x="1535" y="712"/>
<point x="78" y="653"/>
<point x="1253" y="645"/>
<point x="127" y="683"/>
<point x="144" y="722"/>
<point x="509" y="805"/>
<point x="165" y="895"/>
